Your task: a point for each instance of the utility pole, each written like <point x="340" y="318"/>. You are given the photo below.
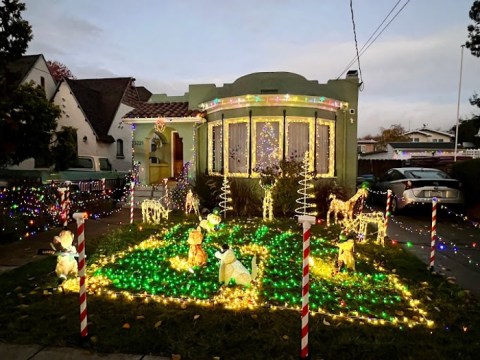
<point x="458" y="103"/>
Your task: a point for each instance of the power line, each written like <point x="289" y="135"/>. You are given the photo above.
<point x="367" y="44"/>
<point x="356" y="44"/>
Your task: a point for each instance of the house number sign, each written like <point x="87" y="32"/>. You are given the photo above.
<point x="137" y="142"/>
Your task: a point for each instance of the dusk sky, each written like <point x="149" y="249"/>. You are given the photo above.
<point x="411" y="72"/>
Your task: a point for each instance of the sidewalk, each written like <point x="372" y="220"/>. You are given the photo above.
<point x="23" y="252"/>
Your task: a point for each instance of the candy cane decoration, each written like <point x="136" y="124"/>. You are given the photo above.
<point x="63" y="206"/>
<point x="80" y="219"/>
<point x="387" y="210"/>
<point x="434" y="232"/>
<point x="132" y="195"/>
<point x="307" y="221"/>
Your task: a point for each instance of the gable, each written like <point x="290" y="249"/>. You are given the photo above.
<point x="100" y="100"/>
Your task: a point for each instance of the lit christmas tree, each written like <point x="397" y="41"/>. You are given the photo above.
<point x="308" y="207"/>
<point x="183" y="185"/>
<point x="226" y="197"/>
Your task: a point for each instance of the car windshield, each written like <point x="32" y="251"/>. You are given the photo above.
<point x="426" y="174"/>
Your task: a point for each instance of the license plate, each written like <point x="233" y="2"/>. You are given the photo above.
<point x="436" y="194"/>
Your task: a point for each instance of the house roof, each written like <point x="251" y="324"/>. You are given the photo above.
<point x="366" y="141"/>
<point x="165" y="109"/>
<point x="20" y="68"/>
<point x="100" y="99"/>
<point x="422" y="145"/>
<point x="143" y="93"/>
<point x="427" y="132"/>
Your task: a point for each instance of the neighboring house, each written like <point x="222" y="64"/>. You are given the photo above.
<point x="33" y="68"/>
<point x="24" y="70"/>
<point x="407" y="150"/>
<point x="95" y="108"/>
<point x="366" y="146"/>
<point x="221" y="130"/>
<point x="428" y="135"/>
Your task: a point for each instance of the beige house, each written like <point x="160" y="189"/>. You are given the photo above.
<point x="429" y="135"/>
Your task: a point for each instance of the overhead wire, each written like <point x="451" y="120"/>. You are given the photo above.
<point x="367" y="44"/>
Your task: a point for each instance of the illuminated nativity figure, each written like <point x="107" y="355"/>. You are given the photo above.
<point x="196" y="254"/>
<point x="346" y="248"/>
<point x="231" y="269"/>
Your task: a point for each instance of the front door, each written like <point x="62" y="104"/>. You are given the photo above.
<point x="177" y="155"/>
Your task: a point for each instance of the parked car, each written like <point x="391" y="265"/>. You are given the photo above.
<point x="365" y="179"/>
<point x="416" y="185"/>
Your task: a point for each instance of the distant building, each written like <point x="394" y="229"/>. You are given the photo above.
<point x="366" y="146"/>
<point x="428" y="135"/>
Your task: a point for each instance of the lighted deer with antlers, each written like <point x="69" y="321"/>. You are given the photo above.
<point x="345" y="208"/>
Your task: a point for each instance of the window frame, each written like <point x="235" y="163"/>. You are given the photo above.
<point x="270" y="119"/>
<point x="226" y="139"/>
<point x="211" y="125"/>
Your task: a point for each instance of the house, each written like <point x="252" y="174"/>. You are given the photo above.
<point x="32" y="68"/>
<point x="366" y="146"/>
<point x="258" y="119"/>
<point x="428" y="135"/>
<point x="95" y="108"/>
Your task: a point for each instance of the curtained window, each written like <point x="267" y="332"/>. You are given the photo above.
<point x="267" y="144"/>
<point x="297" y="140"/>
<point x="238" y="147"/>
<point x="217" y="153"/>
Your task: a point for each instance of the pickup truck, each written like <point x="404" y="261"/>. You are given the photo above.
<point x="91" y="163"/>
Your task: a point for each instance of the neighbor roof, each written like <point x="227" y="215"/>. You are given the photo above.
<point x="143" y="93"/>
<point x="166" y="109"/>
<point x="422" y="145"/>
<point x="100" y="99"/>
<point x="427" y="132"/>
<point x="20" y="68"/>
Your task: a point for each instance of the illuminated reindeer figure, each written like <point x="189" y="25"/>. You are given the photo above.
<point x="345" y="208"/>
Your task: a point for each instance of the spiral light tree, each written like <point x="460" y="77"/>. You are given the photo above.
<point x="226" y="197"/>
<point x="306" y="216"/>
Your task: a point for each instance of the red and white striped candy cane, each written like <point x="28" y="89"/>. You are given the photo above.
<point x="307" y="221"/>
<point x="433" y="233"/>
<point x="132" y="195"/>
<point x="63" y="206"/>
<point x="80" y="219"/>
<point x="387" y="209"/>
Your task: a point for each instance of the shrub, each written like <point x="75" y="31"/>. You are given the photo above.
<point x="285" y="191"/>
<point x="246" y="197"/>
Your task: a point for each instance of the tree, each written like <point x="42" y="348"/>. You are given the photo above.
<point x="27" y="123"/>
<point x="473" y="42"/>
<point x="64" y="152"/>
<point x="395" y="133"/>
<point x="59" y="71"/>
<point x="15" y="34"/>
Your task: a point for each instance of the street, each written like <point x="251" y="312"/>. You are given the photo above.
<point x="457" y="252"/>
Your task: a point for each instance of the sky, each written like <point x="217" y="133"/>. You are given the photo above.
<point x="411" y="73"/>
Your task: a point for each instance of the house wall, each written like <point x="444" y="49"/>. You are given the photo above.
<point x="72" y="115"/>
<point x="345" y="90"/>
<point x="38" y="71"/>
<point x="434" y="137"/>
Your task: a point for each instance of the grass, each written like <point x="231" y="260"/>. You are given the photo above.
<point x="144" y="298"/>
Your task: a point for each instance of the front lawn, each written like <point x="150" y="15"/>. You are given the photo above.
<point x="143" y="297"/>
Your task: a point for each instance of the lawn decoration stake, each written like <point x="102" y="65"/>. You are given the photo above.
<point x="132" y="196"/>
<point x="387" y="209"/>
<point x="232" y="269"/>
<point x="307" y="221"/>
<point x="434" y="232"/>
<point x="196" y="255"/>
<point x="66" y="262"/>
<point x="64" y="205"/>
<point x="344" y="208"/>
<point x="80" y="219"/>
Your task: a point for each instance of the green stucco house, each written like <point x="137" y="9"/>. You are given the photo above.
<point x="222" y="130"/>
